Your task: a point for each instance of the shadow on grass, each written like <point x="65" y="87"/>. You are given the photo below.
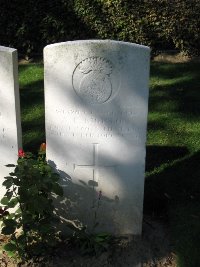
<point x="33" y="138"/>
<point x="174" y="193"/>
<point x="33" y="120"/>
<point x="170" y="70"/>
<point x="32" y="94"/>
<point x="157" y="155"/>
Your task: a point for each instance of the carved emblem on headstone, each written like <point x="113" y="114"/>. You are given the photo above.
<point x="95" y="84"/>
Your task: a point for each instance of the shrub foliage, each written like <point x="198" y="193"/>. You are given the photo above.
<point x="31" y="227"/>
<point x="162" y="24"/>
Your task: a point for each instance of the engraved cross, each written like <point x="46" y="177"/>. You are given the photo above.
<point x="95" y="165"/>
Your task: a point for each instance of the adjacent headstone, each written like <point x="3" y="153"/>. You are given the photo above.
<point x="10" y="125"/>
<point x="96" y="103"/>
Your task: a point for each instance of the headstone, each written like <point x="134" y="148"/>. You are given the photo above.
<point x="10" y="125"/>
<point x="96" y="104"/>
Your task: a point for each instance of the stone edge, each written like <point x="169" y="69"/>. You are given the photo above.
<point x="92" y="41"/>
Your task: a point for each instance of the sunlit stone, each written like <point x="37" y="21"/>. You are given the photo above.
<point x="96" y="104"/>
<point x="10" y="125"/>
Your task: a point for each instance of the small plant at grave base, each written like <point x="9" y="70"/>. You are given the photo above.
<point x="90" y="242"/>
<point x="31" y="226"/>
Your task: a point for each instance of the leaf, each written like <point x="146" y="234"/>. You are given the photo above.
<point x="11" y="254"/>
<point x="10" y="247"/>
<point x="6" y="230"/>
<point x="7" y="183"/>
<point x="4" y="201"/>
<point x="12" y="173"/>
<point x="11" y="216"/>
<point x="13" y="202"/>
<point x="16" y="182"/>
<point x="9" y="194"/>
<point x="10" y="165"/>
<point x="48" y="168"/>
<point x="18" y="211"/>
<point x="10" y="223"/>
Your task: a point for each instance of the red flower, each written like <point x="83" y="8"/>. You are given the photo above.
<point x="43" y="147"/>
<point x="21" y="153"/>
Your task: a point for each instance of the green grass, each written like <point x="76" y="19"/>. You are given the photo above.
<point x="32" y="105"/>
<point x="172" y="188"/>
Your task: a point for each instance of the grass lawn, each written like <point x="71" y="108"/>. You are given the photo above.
<point x="172" y="188"/>
<point x="32" y="105"/>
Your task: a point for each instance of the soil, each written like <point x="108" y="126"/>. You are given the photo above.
<point x="153" y="250"/>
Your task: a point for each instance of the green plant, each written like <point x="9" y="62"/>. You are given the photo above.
<point x="29" y="189"/>
<point x="88" y="241"/>
<point x="91" y="243"/>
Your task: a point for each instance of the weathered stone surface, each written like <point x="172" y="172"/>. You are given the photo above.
<point x="10" y="124"/>
<point x="96" y="102"/>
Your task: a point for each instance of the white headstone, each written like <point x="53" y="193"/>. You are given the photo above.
<point x="10" y="125"/>
<point x="96" y="103"/>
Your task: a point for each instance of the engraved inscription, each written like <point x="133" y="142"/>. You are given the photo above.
<point x="95" y="84"/>
<point x="82" y="124"/>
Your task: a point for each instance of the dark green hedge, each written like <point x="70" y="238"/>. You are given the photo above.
<point x="162" y="24"/>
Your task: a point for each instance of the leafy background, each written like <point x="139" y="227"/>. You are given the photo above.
<point x="161" y="24"/>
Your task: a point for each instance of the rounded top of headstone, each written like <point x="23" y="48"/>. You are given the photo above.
<point x="7" y="49"/>
<point x="106" y="41"/>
